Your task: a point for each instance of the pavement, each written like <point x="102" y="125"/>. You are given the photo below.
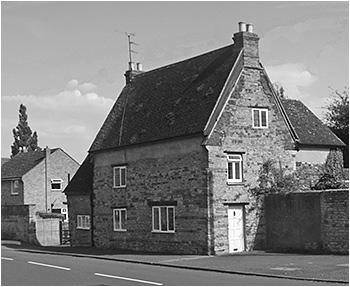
<point x="319" y="268"/>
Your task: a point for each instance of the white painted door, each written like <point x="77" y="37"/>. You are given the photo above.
<point x="235" y="228"/>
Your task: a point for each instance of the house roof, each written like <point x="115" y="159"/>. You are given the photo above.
<point x="4" y="159"/>
<point x="172" y="101"/>
<point x="81" y="182"/>
<point x="309" y="128"/>
<point x="21" y="163"/>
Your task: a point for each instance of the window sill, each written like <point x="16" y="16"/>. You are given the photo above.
<point x="163" y="232"/>
<point x="235" y="183"/>
<point x="119" y="187"/>
<point x="119" y="230"/>
<point x="12" y="194"/>
<point x="83" y="228"/>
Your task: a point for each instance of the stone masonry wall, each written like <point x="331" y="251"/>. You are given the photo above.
<point x="79" y="205"/>
<point x="17" y="223"/>
<point x="234" y="134"/>
<point x="335" y="221"/>
<point x="173" y="171"/>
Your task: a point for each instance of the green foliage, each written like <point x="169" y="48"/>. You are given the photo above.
<point x="24" y="140"/>
<point x="273" y="178"/>
<point x="279" y="90"/>
<point x="337" y="118"/>
<point x="333" y="175"/>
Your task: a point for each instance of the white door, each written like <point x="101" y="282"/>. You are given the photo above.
<point x="235" y="228"/>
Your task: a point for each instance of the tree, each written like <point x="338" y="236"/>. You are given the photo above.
<point x="24" y="140"/>
<point x="280" y="91"/>
<point x="337" y="118"/>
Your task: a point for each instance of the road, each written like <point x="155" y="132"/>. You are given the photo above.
<point x="32" y="269"/>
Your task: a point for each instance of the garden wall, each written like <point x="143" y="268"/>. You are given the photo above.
<point x="316" y="222"/>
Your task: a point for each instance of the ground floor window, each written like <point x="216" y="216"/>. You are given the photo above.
<point x="83" y="221"/>
<point x="119" y="219"/>
<point x="163" y="218"/>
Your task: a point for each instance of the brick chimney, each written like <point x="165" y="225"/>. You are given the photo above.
<point x="129" y="74"/>
<point x="249" y="41"/>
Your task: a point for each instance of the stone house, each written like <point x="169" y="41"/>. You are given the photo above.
<point x="38" y="179"/>
<point x="172" y="165"/>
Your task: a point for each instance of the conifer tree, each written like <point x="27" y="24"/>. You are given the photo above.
<point x="24" y="139"/>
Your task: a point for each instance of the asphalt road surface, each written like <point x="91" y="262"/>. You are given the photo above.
<point x="31" y="269"/>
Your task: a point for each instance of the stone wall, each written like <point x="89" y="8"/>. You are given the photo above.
<point x="316" y="222"/>
<point x="79" y="205"/>
<point x="172" y="172"/>
<point x="234" y="133"/>
<point x="335" y="221"/>
<point x="17" y="223"/>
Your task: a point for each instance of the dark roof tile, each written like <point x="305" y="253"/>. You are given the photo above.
<point x="81" y="182"/>
<point x="309" y="128"/>
<point x="168" y="102"/>
<point x="20" y="164"/>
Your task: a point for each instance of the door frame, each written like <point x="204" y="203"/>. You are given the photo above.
<point x="242" y="204"/>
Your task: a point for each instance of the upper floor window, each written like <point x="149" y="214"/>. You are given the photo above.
<point x="163" y="218"/>
<point x="260" y="118"/>
<point x="234" y="168"/>
<point x="56" y="184"/>
<point x="83" y="221"/>
<point x="119" y="176"/>
<point x="14" y="187"/>
<point x="119" y="219"/>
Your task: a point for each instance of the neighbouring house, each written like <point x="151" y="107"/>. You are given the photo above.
<point x="38" y="179"/>
<point x="171" y="167"/>
<point x="4" y="159"/>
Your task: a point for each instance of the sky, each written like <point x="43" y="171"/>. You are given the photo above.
<point x="65" y="61"/>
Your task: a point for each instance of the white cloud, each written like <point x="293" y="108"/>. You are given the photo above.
<point x="293" y="77"/>
<point x="69" y="119"/>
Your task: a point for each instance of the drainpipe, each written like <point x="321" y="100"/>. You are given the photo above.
<point x="47" y="154"/>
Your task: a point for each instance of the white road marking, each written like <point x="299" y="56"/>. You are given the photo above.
<point x="5" y="258"/>
<point x="48" y="265"/>
<point x="128" y="279"/>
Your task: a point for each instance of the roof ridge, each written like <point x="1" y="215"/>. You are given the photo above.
<point x="180" y="62"/>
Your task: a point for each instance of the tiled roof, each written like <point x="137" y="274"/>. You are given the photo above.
<point x="168" y="102"/>
<point x="20" y="164"/>
<point x="4" y="159"/>
<point x="81" y="182"/>
<point x="309" y="128"/>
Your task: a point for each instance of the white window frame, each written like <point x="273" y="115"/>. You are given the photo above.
<point x="234" y="162"/>
<point x="118" y="174"/>
<point x="14" y="187"/>
<point x="157" y="221"/>
<point x="117" y="220"/>
<point x="56" y="181"/>
<point x="83" y="222"/>
<point x="260" y="124"/>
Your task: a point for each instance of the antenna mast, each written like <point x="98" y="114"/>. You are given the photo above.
<point x="130" y="43"/>
<point x="131" y="63"/>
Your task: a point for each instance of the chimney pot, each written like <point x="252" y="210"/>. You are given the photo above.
<point x="139" y="66"/>
<point x="242" y="26"/>
<point x="250" y="28"/>
<point x="131" y="66"/>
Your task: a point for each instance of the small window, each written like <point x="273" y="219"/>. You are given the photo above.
<point x="56" y="184"/>
<point x="163" y="218"/>
<point x="260" y="118"/>
<point x="83" y="221"/>
<point x="119" y="219"/>
<point x="14" y="187"/>
<point x="234" y="168"/>
<point x="119" y="176"/>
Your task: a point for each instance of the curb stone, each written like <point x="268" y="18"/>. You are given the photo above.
<point x="186" y="266"/>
